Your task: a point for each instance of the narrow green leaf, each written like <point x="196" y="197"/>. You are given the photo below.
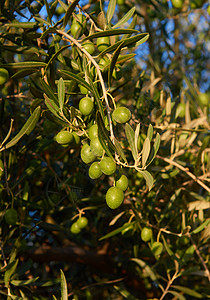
<point x="143" y="37"/>
<point x="49" y="91"/>
<point x="97" y="97"/>
<point x="69" y="12"/>
<point x="111" y="32"/>
<point x="24" y="25"/>
<point x="31" y="281"/>
<point x="120" y="150"/>
<point x="116" y="231"/>
<point x="154" y="150"/>
<point x="147" y="176"/>
<point x="26" y="129"/>
<point x="125" y="18"/>
<point x="55" y="55"/>
<point x="205" y="144"/>
<point x="137" y="131"/>
<point x="131" y="140"/>
<point x="101" y="20"/>
<point x="51" y="106"/>
<point x="131" y="26"/>
<point x="54" y="298"/>
<point x="188" y="291"/>
<point x="24" y="73"/>
<point x="168" y="249"/>
<point x="104" y="137"/>
<point x="47" y="32"/>
<point x="61" y="93"/>
<point x="202" y="226"/>
<point x="49" y="15"/>
<point x="64" y="290"/>
<point x="124" y="58"/>
<point x="11" y="267"/>
<point x="113" y="63"/>
<point x="78" y="79"/>
<point x="110" y="10"/>
<point x="50" y="227"/>
<point x="24" y="65"/>
<point x="147" y="269"/>
<point x="145" y="151"/>
<point x="177" y="295"/>
<point x="150" y="132"/>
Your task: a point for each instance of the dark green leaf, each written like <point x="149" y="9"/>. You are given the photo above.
<point x="51" y="106"/>
<point x="26" y="129"/>
<point x="104" y="136"/>
<point x="24" y="65"/>
<point x="119" y="150"/>
<point x="147" y="269"/>
<point x="116" y="231"/>
<point x="110" y="10"/>
<point x="110" y="33"/>
<point x="113" y="63"/>
<point x="49" y="91"/>
<point x="49" y="15"/>
<point x="55" y="55"/>
<point x="125" y="18"/>
<point x="50" y="227"/>
<point x="11" y="267"/>
<point x="69" y="12"/>
<point x="24" y="73"/>
<point x="143" y="37"/>
<point x="131" y="140"/>
<point x="48" y="31"/>
<point x="131" y="26"/>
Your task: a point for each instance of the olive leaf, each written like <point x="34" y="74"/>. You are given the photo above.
<point x="61" y="92"/>
<point x="110" y="10"/>
<point x="131" y="140"/>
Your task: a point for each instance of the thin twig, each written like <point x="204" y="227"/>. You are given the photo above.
<point x="99" y="74"/>
<point x="186" y="171"/>
<point x="199" y="255"/>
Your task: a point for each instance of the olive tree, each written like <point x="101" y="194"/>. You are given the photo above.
<point x="104" y="149"/>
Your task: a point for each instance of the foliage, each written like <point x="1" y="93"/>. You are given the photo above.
<point x="138" y="140"/>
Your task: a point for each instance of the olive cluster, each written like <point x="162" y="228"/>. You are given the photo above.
<point x="78" y="27"/>
<point x="156" y="247"/>
<point x="80" y="224"/>
<point x="93" y="153"/>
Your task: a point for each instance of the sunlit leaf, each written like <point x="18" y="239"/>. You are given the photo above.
<point x="188" y="291"/>
<point x="145" y="151"/>
<point x="110" y="32"/>
<point x="110" y="10"/>
<point x="147" y="176"/>
<point x="130" y="134"/>
<point x="116" y="231"/>
<point x="202" y="226"/>
<point x="125" y="18"/>
<point x="64" y="290"/>
<point x="26" y="129"/>
<point x="61" y="92"/>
